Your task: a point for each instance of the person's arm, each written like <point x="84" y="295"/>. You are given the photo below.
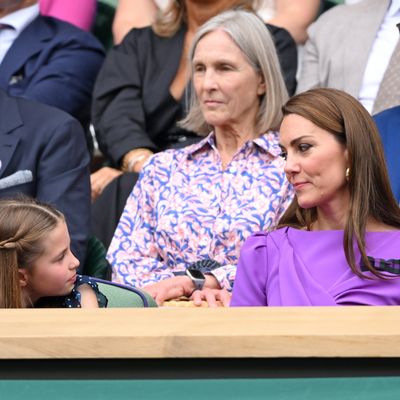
<point x="63" y="177"/>
<point x="134" y="253"/>
<point x="251" y="278"/>
<point x="132" y="14"/>
<point x="295" y="17"/>
<point x="118" y="113"/>
<point x="64" y="74"/>
<point x="178" y="286"/>
<point x="88" y="296"/>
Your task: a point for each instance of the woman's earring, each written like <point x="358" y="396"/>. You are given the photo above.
<point x="347" y="174"/>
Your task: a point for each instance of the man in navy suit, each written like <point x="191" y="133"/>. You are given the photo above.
<point x="47" y="60"/>
<point x="43" y="154"/>
<point x="388" y="123"/>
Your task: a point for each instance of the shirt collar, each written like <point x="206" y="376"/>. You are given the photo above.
<point x="394" y="8"/>
<point x="20" y="19"/>
<point x="268" y="141"/>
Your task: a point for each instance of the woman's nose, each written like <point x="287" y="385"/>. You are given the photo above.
<point x="291" y="165"/>
<point x="209" y="81"/>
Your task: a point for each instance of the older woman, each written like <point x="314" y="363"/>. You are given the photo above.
<point x="339" y="240"/>
<point x="199" y="203"/>
<point x="140" y="95"/>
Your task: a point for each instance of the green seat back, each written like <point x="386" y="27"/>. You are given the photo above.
<point x="119" y="296"/>
<point x="96" y="264"/>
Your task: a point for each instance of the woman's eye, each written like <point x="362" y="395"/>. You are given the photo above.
<point x="283" y="155"/>
<point x="225" y="67"/>
<point x="303" y="147"/>
<point x="198" y="68"/>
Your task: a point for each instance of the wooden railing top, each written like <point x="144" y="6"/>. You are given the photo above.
<point x="200" y="332"/>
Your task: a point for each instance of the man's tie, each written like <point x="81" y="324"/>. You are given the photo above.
<point x="389" y="90"/>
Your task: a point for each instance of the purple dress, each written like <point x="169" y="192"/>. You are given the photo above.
<point x="291" y="267"/>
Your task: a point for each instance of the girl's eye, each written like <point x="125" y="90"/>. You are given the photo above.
<point x="283" y="155"/>
<point x="61" y="257"/>
<point x="303" y="147"/>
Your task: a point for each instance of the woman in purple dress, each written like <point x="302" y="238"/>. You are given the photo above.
<point x="339" y="241"/>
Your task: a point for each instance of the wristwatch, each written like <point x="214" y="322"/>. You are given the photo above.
<point x="197" y="278"/>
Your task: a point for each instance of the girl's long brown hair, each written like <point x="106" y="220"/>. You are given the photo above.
<point x="24" y="225"/>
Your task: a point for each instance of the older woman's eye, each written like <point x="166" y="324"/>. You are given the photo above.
<point x="225" y="67"/>
<point x="198" y="68"/>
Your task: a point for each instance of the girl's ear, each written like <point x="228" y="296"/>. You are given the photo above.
<point x="23" y="277"/>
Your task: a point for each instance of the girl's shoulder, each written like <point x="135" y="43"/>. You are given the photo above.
<point x="73" y="300"/>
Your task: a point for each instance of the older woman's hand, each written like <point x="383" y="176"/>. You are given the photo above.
<point x="171" y="288"/>
<point x="212" y="297"/>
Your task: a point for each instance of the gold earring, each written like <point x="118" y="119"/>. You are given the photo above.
<point x="347" y="174"/>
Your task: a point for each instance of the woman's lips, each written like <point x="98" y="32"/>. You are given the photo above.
<point x="299" y="185"/>
<point x="212" y="102"/>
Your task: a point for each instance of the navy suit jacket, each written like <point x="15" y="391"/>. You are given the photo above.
<point x="55" y="63"/>
<point x="51" y="144"/>
<point x="388" y="123"/>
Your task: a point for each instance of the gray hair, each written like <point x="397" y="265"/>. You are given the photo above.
<point x="252" y="37"/>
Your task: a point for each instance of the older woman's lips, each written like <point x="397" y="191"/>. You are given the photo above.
<point x="212" y="102"/>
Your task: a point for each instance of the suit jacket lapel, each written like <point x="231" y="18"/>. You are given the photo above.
<point x="8" y="142"/>
<point x="360" y="41"/>
<point x="28" y="43"/>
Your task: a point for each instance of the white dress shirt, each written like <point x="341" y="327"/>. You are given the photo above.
<point x="19" y="20"/>
<point x="379" y="57"/>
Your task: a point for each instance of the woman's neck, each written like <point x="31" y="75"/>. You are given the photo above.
<point x="331" y="216"/>
<point x="198" y="12"/>
<point x="229" y="142"/>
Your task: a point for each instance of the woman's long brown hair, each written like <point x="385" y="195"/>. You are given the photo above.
<point x="370" y="193"/>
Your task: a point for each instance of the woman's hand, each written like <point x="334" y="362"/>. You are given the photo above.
<point x="171" y="288"/>
<point x="214" y="297"/>
<point x="179" y="286"/>
<point x="134" y="160"/>
<point x="101" y="178"/>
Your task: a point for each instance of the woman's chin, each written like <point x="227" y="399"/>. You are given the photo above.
<point x="304" y="203"/>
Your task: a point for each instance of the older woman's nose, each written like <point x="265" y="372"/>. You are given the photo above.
<point x="209" y="81"/>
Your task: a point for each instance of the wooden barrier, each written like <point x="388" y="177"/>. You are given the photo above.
<point x="200" y="333"/>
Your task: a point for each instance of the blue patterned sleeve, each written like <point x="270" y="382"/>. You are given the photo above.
<point x="74" y="299"/>
<point x="134" y="253"/>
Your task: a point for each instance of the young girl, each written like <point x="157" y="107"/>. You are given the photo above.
<point x="37" y="267"/>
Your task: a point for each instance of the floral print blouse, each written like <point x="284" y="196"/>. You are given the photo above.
<point x="185" y="207"/>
